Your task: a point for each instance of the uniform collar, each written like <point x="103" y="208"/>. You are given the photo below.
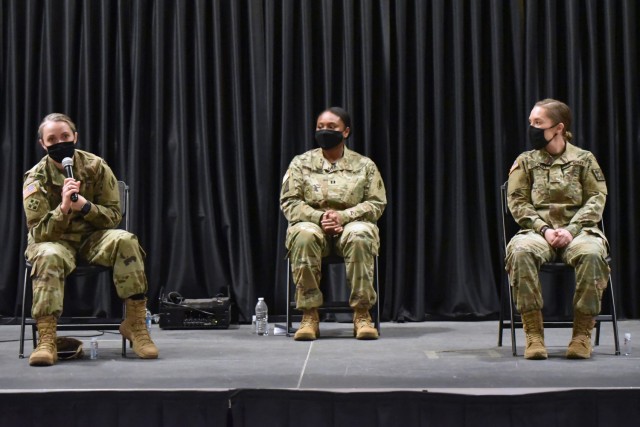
<point x="569" y="154"/>
<point x="343" y="163"/>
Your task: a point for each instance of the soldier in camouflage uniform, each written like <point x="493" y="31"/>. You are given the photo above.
<point x="557" y="194"/>
<point x="332" y="198"/>
<point x="62" y="230"/>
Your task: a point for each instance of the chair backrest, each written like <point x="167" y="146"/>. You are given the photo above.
<point x="505" y="212"/>
<point x="123" y="188"/>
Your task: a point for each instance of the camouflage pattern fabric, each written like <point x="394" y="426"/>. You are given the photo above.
<point x="353" y="187"/>
<point x="568" y="192"/>
<point x="56" y="240"/>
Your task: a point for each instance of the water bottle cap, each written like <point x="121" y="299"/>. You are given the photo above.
<point x="627" y="336"/>
<point x="260" y="299"/>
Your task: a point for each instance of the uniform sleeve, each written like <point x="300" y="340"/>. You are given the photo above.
<point x="594" y="196"/>
<point x="46" y="223"/>
<point x="105" y="211"/>
<point x="519" y="198"/>
<point x="292" y="201"/>
<point x="373" y="203"/>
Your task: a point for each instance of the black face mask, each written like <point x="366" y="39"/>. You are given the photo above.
<point x="61" y="150"/>
<point x="328" y="139"/>
<point x="536" y="136"/>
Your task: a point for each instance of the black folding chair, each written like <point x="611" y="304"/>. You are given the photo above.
<point x="555" y="268"/>
<point x="82" y="270"/>
<point x="330" y="306"/>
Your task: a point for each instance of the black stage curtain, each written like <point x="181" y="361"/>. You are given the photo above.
<point x="201" y="105"/>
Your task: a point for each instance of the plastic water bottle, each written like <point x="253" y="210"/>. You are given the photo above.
<point x="147" y="320"/>
<point x="262" y="317"/>
<point x="94" y="348"/>
<point x="626" y="348"/>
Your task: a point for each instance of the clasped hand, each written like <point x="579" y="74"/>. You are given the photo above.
<point x="558" y="238"/>
<point x="331" y="223"/>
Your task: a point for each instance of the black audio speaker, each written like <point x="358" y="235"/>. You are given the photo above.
<point x="208" y="313"/>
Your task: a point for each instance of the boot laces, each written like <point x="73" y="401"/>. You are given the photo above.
<point x="138" y="325"/>
<point x="308" y="321"/>
<point x="46" y="345"/>
<point x="363" y="321"/>
<point x="534" y="339"/>
<point x="47" y="339"/>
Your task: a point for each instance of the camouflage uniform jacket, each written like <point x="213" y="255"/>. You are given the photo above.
<point x="352" y="186"/>
<point x="42" y="197"/>
<point x="569" y="192"/>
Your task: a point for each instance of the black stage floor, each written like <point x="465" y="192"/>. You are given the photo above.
<point x="454" y="358"/>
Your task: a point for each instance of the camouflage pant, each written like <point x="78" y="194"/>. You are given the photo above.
<point x="358" y="244"/>
<point x="53" y="261"/>
<point x="586" y="253"/>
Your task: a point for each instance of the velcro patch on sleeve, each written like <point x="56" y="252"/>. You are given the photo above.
<point x="598" y="174"/>
<point x="33" y="204"/>
<point x="29" y="190"/>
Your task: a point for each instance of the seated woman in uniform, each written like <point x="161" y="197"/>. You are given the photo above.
<point x="332" y="198"/>
<point x="557" y="193"/>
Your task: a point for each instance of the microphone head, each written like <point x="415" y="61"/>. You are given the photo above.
<point x="67" y="161"/>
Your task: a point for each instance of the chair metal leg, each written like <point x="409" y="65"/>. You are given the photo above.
<point x="377" y="279"/>
<point x="501" y="313"/>
<point x="22" y="318"/>
<point x="614" y="318"/>
<point x="513" y="326"/>
<point x="124" y="340"/>
<point x="288" y="312"/>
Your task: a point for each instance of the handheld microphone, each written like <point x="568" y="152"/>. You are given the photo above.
<point x="67" y="163"/>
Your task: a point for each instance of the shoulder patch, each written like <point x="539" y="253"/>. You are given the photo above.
<point x="598" y="174"/>
<point x="33" y="204"/>
<point x="29" y="190"/>
<point x="514" y="167"/>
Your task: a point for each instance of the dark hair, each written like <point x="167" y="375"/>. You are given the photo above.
<point x="558" y="112"/>
<point x="342" y="113"/>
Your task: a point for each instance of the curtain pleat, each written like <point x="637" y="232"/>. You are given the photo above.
<point x="200" y="106"/>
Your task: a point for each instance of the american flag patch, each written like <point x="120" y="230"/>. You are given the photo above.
<point x="29" y="190"/>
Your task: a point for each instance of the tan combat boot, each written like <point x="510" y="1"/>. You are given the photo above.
<point x="534" y="332"/>
<point x="309" y="326"/>
<point x="134" y="328"/>
<point x="46" y="354"/>
<point x="580" y="345"/>
<point x="363" y="327"/>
